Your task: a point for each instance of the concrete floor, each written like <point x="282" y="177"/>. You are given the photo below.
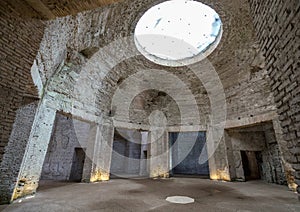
<point x="149" y="195"/>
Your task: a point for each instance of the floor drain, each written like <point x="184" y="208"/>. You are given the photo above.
<point x="180" y="199"/>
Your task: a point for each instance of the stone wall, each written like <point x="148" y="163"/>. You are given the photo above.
<point x="260" y="139"/>
<point x="186" y="149"/>
<point x="82" y="68"/>
<point x="19" y="41"/>
<point x="15" y="151"/>
<point x="272" y="163"/>
<point x="68" y="134"/>
<point x="245" y="141"/>
<point x="277" y="27"/>
<point x="65" y="46"/>
<point x="126" y="156"/>
<point x="70" y="43"/>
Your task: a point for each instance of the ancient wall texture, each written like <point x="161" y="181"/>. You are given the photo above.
<point x="272" y="166"/>
<point x="62" y="54"/>
<point x="260" y="139"/>
<point x="126" y="153"/>
<point x="15" y="150"/>
<point x="68" y="134"/>
<point x="83" y="85"/>
<point x="19" y="42"/>
<point x="277" y="27"/>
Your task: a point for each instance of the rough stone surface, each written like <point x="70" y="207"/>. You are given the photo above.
<point x="12" y="159"/>
<point x="67" y="135"/>
<point x="277" y="27"/>
<point x="127" y="151"/>
<point x="99" y="152"/>
<point x="79" y="65"/>
<point x="19" y="47"/>
<point x="260" y="139"/>
<point x="273" y="165"/>
<point x="218" y="160"/>
<point x="159" y="153"/>
<point x="36" y="148"/>
<point x="237" y="55"/>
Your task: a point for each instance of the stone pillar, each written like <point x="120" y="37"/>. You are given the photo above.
<point x="217" y="157"/>
<point x="232" y="163"/>
<point x="15" y="150"/>
<point x="285" y="155"/>
<point x="89" y="154"/>
<point x="35" y="152"/>
<point x="144" y="159"/>
<point x="133" y="152"/>
<point x="238" y="166"/>
<point x="159" y="153"/>
<point x="98" y="152"/>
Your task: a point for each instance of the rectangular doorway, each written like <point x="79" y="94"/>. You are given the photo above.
<point x="186" y="150"/>
<point x="250" y="165"/>
<point x="126" y="155"/>
<point x="77" y="165"/>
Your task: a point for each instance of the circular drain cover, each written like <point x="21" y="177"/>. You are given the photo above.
<point x="180" y="199"/>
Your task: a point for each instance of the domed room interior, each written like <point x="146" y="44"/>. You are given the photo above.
<point x="150" y="105"/>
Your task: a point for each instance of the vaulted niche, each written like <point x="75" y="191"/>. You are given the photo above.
<point x="178" y="32"/>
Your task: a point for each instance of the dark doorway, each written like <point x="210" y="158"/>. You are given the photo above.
<point x="186" y="150"/>
<point x="126" y="155"/>
<point x="77" y="165"/>
<point x="250" y="165"/>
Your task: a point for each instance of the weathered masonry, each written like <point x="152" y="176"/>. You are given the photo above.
<point x="80" y="100"/>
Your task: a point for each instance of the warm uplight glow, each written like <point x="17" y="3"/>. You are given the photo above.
<point x="99" y="176"/>
<point x="220" y="175"/>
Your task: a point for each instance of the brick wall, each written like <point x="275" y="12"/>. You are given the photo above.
<point x="19" y="42"/>
<point x="277" y="26"/>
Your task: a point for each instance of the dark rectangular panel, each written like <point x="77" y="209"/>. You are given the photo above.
<point x="186" y="150"/>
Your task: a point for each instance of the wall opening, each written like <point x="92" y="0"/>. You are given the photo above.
<point x="130" y="154"/>
<point x="194" y="144"/>
<point x="158" y="38"/>
<point x="66" y="150"/>
<point x="77" y="165"/>
<point x="250" y="165"/>
<point x="254" y="153"/>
